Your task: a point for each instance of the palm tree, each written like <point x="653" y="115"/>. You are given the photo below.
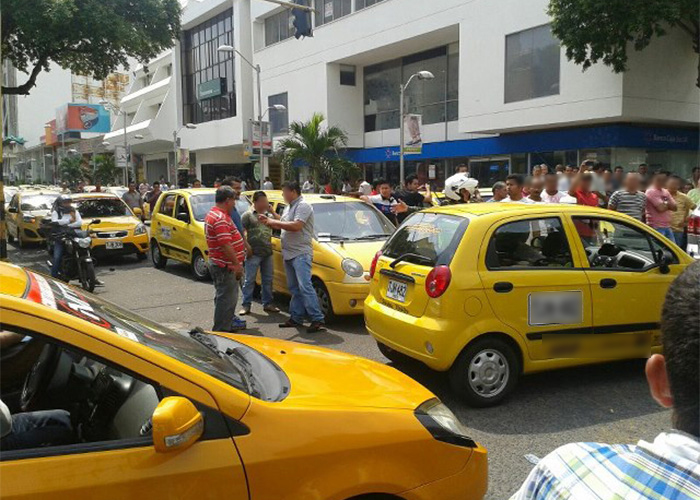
<point x="321" y="149"/>
<point x="72" y="170"/>
<point x="106" y="171"/>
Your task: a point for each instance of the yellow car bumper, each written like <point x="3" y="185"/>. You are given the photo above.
<point x="131" y="245"/>
<point x="348" y="299"/>
<point x="30" y="233"/>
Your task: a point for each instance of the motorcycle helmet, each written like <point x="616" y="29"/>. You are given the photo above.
<point x="455" y="184"/>
<point x="63" y="199"/>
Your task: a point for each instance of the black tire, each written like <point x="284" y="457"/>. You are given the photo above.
<point x="89" y="279"/>
<point x="324" y="301"/>
<point x="392" y="355"/>
<point x="141" y="256"/>
<point x="10" y="238"/>
<point x="199" y="266"/>
<point x="156" y="256"/>
<point x="485" y="372"/>
<point x="20" y="243"/>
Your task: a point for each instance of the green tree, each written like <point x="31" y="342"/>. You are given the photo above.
<point x="604" y="30"/>
<point x="106" y="170"/>
<point x="321" y="149"/>
<point x="89" y="37"/>
<point x="73" y="170"/>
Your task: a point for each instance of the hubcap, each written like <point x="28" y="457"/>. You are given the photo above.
<point x="200" y="266"/>
<point x="324" y="300"/>
<point x="488" y="373"/>
<point x="155" y="252"/>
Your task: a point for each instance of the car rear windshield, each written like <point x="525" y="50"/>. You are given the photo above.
<point x="102" y="207"/>
<point x="38" y="202"/>
<point x="428" y="235"/>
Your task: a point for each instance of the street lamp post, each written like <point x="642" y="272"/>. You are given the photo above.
<point x="119" y="111"/>
<point x="274" y="107"/>
<point x="190" y="126"/>
<point x="421" y="75"/>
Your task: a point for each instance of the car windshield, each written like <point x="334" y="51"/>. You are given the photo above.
<point x="38" y="202"/>
<point x="238" y="365"/>
<point x="350" y="221"/>
<point x="202" y="203"/>
<point x="102" y="207"/>
<point x="432" y="237"/>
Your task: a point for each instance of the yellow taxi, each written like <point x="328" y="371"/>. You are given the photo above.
<point x="146" y="412"/>
<point x="177" y="228"/>
<point x="120" y="231"/>
<point x="490" y="291"/>
<point x="349" y="232"/>
<point x="25" y="212"/>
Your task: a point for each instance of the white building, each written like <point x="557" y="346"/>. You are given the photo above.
<point x="504" y="95"/>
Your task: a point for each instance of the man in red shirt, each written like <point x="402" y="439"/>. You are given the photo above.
<point x="226" y="256"/>
<point x="581" y="188"/>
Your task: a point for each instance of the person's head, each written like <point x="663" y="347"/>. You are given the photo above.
<point x="574" y="170"/>
<point x="674" y="377"/>
<point x="514" y="186"/>
<point x="412" y="183"/>
<point x="687" y="186"/>
<point x="536" y="170"/>
<point x="526" y="186"/>
<point x="225" y="198"/>
<point x="65" y="203"/>
<point x="196" y="183"/>
<point x="384" y="188"/>
<point x="597" y="169"/>
<point x="660" y="179"/>
<point x="260" y="202"/>
<point x="234" y="183"/>
<point x="586" y="182"/>
<point x="619" y="171"/>
<point x="64" y="185"/>
<point x="500" y="191"/>
<point x="291" y="191"/>
<point x="559" y="169"/>
<point x="696" y="177"/>
<point x="462" y="168"/>
<point x="569" y="170"/>
<point x="607" y="175"/>
<point x="643" y="169"/>
<point x="632" y="182"/>
<point x="156" y="186"/>
<point x="551" y="183"/>
<point x="132" y="187"/>
<point x="588" y="165"/>
<point x="674" y="184"/>
<point x="536" y="188"/>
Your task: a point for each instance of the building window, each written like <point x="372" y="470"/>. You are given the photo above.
<point x="361" y="4"/>
<point x="348" y="75"/>
<point x="208" y="79"/>
<point x="532" y="64"/>
<point x="279" y="27"/>
<point x="436" y="100"/>
<point x="329" y="10"/>
<point x="279" y="120"/>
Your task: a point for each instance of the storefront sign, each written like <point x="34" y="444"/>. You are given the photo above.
<point x="92" y="118"/>
<point x="254" y="134"/>
<point x="212" y="88"/>
<point x="413" y="142"/>
<point x="431" y="172"/>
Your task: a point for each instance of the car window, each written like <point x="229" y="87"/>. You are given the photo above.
<point x="167" y="205"/>
<point x="616" y="245"/>
<point x="429" y="235"/>
<point x="532" y="243"/>
<point x="102" y="207"/>
<point x="38" y="202"/>
<point x="182" y="207"/>
<point x="15" y="201"/>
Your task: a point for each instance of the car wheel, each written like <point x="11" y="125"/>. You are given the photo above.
<point x="199" y="266"/>
<point x="158" y="260"/>
<point x="485" y="372"/>
<point x="392" y="355"/>
<point x="324" y="300"/>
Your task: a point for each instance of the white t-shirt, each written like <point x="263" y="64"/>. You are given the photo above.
<point x="383" y="204"/>
<point x="307" y="187"/>
<point x="552" y="198"/>
<point x="526" y="201"/>
<point x="65" y="219"/>
<point x="564" y="183"/>
<point x="365" y="188"/>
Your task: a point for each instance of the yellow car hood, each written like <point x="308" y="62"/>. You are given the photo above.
<point x="322" y="377"/>
<point x="123" y="222"/>
<point x="38" y="213"/>
<point x="362" y="251"/>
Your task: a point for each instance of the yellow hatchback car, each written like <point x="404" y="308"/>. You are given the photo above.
<point x="146" y="412"/>
<point x="490" y="291"/>
<point x="25" y="212"/>
<point x="349" y="232"/>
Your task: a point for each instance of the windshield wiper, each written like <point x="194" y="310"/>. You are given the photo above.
<point x="255" y="389"/>
<point x="205" y="339"/>
<point x="412" y="257"/>
<point x="370" y="237"/>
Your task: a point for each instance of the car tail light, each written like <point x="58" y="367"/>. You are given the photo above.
<point x="373" y="266"/>
<point x="437" y="281"/>
<point x="694" y="225"/>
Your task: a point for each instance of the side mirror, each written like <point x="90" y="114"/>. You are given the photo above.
<point x="12" y="210"/>
<point x="664" y="260"/>
<point x="137" y="212"/>
<point x="95" y="221"/>
<point x="183" y="217"/>
<point x="177" y="424"/>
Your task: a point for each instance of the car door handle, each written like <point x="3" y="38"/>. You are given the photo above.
<point x="174" y="229"/>
<point x="608" y="283"/>
<point x="503" y="287"/>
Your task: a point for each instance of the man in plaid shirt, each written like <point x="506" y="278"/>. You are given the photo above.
<point x="226" y="256"/>
<point x="668" y="468"/>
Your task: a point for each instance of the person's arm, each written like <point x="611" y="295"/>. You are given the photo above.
<point x="671" y="203"/>
<point x="293" y="226"/>
<point x="402" y="208"/>
<point x="658" y="203"/>
<point x="428" y="198"/>
<point x="55" y="218"/>
<point x="612" y="204"/>
<point x="9" y="339"/>
<point x="76" y="219"/>
<point x="576" y="181"/>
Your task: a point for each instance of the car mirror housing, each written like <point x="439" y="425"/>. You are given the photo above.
<point x="12" y="210"/>
<point x="177" y="424"/>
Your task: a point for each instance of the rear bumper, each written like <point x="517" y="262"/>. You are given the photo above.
<point x="347" y="299"/>
<point x="471" y="483"/>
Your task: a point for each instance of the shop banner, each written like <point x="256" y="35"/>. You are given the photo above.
<point x="91" y="118"/>
<point x="183" y="159"/>
<point x="413" y="142"/>
<point x="255" y="138"/>
<point x="121" y="156"/>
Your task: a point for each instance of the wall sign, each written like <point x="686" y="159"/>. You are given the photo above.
<point x="212" y="88"/>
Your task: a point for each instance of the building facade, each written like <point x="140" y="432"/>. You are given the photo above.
<point x="503" y="98"/>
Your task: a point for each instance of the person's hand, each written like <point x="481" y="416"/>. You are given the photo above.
<point x="400" y="208"/>
<point x="264" y="219"/>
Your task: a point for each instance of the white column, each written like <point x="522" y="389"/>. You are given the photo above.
<point x="243" y="41"/>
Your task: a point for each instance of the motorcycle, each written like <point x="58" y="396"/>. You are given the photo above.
<point x="77" y="263"/>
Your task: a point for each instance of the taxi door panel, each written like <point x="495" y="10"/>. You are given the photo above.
<point x="627" y="285"/>
<point x="533" y="281"/>
<point x="162" y="225"/>
<point x="280" y="276"/>
<point x="182" y="238"/>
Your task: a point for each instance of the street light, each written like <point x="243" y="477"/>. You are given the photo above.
<point x="421" y="75"/>
<point x="232" y="50"/>
<point x="176" y="133"/>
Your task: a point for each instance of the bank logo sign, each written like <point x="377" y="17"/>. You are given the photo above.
<point x="212" y="88"/>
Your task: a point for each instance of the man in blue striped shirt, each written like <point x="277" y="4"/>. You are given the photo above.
<point x="668" y="468"/>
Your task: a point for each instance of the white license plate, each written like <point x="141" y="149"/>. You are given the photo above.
<point x="397" y="291"/>
<point x="115" y="245"/>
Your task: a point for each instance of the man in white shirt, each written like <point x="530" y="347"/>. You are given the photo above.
<point x="308" y="186"/>
<point x="267" y="185"/>
<point x="63" y="215"/>
<point x="514" y="186"/>
<point x="551" y="193"/>
<point x="384" y="201"/>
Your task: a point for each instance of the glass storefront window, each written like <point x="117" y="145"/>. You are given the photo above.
<point x="532" y="64"/>
<point x="330" y="10"/>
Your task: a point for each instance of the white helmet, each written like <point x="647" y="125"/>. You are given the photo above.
<point x="455" y="184"/>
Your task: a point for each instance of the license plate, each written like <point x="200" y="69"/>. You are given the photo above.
<point x="397" y="291"/>
<point x="115" y="245"/>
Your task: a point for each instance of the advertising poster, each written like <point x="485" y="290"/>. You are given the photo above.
<point x="90" y="118"/>
<point x="255" y="137"/>
<point x="183" y="159"/>
<point x="413" y="142"/>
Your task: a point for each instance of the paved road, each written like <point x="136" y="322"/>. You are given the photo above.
<point x="605" y="403"/>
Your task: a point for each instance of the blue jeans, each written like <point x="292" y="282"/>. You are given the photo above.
<point x="666" y="231"/>
<point x="252" y="264"/>
<point x="39" y="428"/>
<point x="304" y="300"/>
<point x="680" y="239"/>
<point x="58" y="250"/>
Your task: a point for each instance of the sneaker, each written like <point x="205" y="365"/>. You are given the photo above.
<point x="290" y="323"/>
<point x="245" y="311"/>
<point x="271" y="309"/>
<point x="316" y="327"/>
<point x="238" y="324"/>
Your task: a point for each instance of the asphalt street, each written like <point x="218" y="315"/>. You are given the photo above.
<point x="603" y="403"/>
